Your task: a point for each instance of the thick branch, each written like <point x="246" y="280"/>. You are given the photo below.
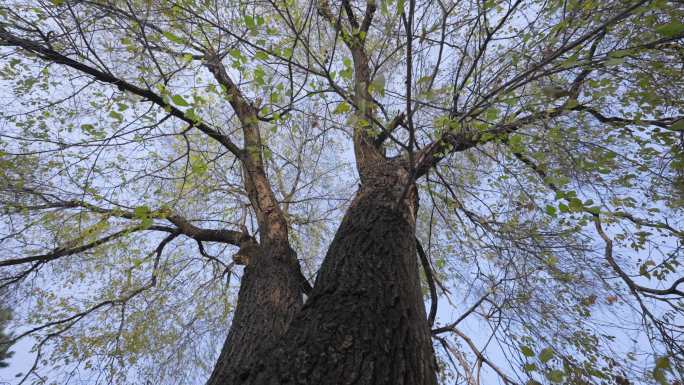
<point x="389" y="129"/>
<point x="450" y="142"/>
<point x="259" y="190"/>
<point x="245" y="111"/>
<point x="182" y="225"/>
<point x="368" y="17"/>
<point x="209" y="235"/>
<point x="465" y="138"/>
<point x="365" y="149"/>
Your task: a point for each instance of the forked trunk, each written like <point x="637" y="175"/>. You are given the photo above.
<point x="365" y="321"/>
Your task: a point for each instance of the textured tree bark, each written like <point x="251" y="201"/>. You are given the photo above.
<point x="270" y="296"/>
<point x="365" y="321"/>
<point x="271" y="287"/>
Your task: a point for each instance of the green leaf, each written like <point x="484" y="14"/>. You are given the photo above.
<point x="179" y="101"/>
<point x="378" y="85"/>
<point x="678" y="125"/>
<point x="643" y="269"/>
<point x="545" y="355"/>
<point x="552" y="260"/>
<point x="363" y="123"/>
<point x="670" y="29"/>
<point x="342" y="108"/>
<point x="400" y="7"/>
<point x="146" y="223"/>
<point x="616" y="61"/>
<point x="249" y="21"/>
<point x="551" y="210"/>
<point x="190" y="113"/>
<point x="575" y="204"/>
<point x="261" y="55"/>
<point x="141" y="212"/>
<point x="555" y="376"/>
<point x="259" y="75"/>
<point x="527" y="351"/>
<point x="487" y="136"/>
<point x="117" y="116"/>
<point x="491" y="113"/>
<point x="571" y="103"/>
<point x="235" y="53"/>
<point x="199" y="167"/>
<point x="424" y="79"/>
<point x="620" y="53"/>
<point x="662" y="363"/>
<point x="173" y="38"/>
<point x="515" y="143"/>
<point x="346" y="73"/>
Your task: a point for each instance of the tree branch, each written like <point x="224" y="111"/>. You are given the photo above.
<point x="63" y="252"/>
<point x="46" y="53"/>
<point x="431" y="282"/>
<point x="450" y="142"/>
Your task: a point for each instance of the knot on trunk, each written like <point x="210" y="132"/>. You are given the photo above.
<point x="391" y="183"/>
<point x="248" y="251"/>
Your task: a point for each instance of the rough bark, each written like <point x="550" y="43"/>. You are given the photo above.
<point x="270" y="296"/>
<point x="365" y="321"/>
<point x="272" y="285"/>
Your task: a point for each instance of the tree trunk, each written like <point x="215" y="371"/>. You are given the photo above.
<point x="365" y="321"/>
<point x="270" y="296"/>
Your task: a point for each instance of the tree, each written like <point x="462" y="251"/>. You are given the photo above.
<point x="526" y="155"/>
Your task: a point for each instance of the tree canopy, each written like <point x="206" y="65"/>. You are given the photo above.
<point x="145" y="145"/>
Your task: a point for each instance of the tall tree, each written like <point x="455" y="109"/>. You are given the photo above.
<point x="527" y="155"/>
